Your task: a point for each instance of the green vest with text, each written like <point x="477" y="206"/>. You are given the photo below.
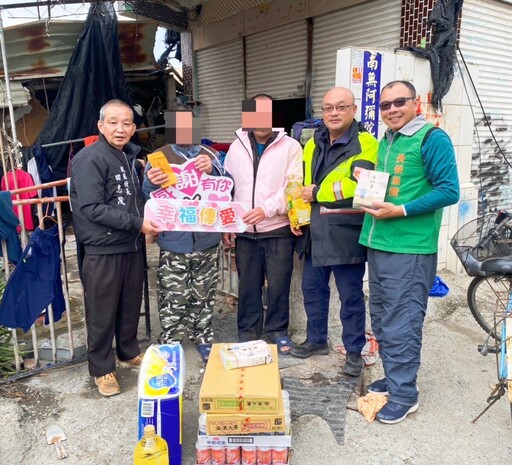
<point x="417" y="234"/>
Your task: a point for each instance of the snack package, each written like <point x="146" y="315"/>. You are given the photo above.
<point x="245" y="354"/>
<point x="158" y="160"/>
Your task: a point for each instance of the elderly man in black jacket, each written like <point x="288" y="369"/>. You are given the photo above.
<point x="108" y="210"/>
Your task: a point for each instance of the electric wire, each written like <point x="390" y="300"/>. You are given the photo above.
<point x="486" y="119"/>
<point x="486" y="124"/>
<point x="479" y="142"/>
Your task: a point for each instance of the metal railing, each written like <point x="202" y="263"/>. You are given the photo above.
<point x="63" y="342"/>
<point x="55" y="344"/>
<point x="44" y="342"/>
<point x="228" y="277"/>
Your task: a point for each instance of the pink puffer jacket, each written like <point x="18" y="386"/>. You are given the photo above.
<point x="283" y="157"/>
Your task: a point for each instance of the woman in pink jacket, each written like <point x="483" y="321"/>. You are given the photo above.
<point x="260" y="160"/>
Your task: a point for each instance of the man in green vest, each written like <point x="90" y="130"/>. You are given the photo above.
<point x="402" y="235"/>
<point x="330" y="244"/>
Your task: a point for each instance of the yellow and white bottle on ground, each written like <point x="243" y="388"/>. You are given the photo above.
<point x="151" y="449"/>
<point x="299" y="212"/>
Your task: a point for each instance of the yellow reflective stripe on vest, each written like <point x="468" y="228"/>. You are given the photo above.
<point x="338" y="184"/>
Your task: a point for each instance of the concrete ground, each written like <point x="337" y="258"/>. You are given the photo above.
<point x="454" y="383"/>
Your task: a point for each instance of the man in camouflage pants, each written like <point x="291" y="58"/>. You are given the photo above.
<point x="188" y="267"/>
<point x="186" y="294"/>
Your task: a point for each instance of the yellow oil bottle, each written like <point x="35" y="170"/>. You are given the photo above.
<point x="151" y="449"/>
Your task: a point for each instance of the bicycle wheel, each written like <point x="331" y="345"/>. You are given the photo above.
<point x="487" y="297"/>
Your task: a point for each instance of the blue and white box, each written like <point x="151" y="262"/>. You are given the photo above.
<point x="160" y="392"/>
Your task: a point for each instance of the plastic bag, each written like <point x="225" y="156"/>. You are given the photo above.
<point x="439" y="289"/>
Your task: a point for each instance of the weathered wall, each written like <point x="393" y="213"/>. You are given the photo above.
<point x="485" y="41"/>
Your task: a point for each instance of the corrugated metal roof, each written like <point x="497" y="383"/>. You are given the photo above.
<point x="37" y="49"/>
<point x="20" y="96"/>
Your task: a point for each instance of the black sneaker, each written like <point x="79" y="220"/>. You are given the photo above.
<point x="379" y="387"/>
<point x="353" y="364"/>
<point x="307" y="349"/>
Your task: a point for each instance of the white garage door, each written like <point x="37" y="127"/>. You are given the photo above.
<point x="220" y="75"/>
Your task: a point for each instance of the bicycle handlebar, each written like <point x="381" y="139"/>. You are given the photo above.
<point x="498" y="226"/>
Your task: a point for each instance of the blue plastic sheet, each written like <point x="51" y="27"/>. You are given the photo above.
<point x="439" y="289"/>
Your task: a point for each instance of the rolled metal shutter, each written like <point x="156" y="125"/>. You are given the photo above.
<point x="220" y="75"/>
<point x="276" y="62"/>
<point x="485" y="41"/>
<point x="371" y="24"/>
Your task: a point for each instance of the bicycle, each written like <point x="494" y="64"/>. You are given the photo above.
<point x="484" y="247"/>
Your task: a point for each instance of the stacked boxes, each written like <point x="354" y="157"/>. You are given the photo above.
<point x="250" y="450"/>
<point x="244" y="413"/>
<point x="248" y="389"/>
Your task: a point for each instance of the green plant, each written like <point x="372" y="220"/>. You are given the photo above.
<point x="6" y="350"/>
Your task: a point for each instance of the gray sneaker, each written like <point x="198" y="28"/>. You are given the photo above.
<point x="353" y="364"/>
<point x="307" y="349"/>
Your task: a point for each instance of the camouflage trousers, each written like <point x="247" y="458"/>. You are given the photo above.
<point x="187" y="283"/>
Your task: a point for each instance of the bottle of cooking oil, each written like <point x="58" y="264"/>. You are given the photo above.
<point x="299" y="212"/>
<point x="288" y="193"/>
<point x="151" y="449"/>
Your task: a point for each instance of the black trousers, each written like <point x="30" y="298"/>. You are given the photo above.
<point x="256" y="259"/>
<point x="113" y="296"/>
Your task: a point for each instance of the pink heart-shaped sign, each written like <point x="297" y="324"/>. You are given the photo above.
<point x="188" y="179"/>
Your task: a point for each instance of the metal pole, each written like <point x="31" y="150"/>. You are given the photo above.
<point x="175" y="6"/>
<point x="7" y="82"/>
<point x="50" y="3"/>
<point x="72" y="141"/>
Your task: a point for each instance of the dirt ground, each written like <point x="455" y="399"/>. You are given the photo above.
<point x="454" y="383"/>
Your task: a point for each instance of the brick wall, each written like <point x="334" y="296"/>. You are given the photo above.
<point x="413" y="22"/>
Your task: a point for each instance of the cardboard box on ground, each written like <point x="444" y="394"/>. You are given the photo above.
<point x="244" y="409"/>
<point x="255" y="389"/>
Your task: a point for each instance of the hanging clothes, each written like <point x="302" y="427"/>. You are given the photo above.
<point x="8" y="223"/>
<point x="44" y="169"/>
<point x="24" y="180"/>
<point x="71" y="154"/>
<point x="89" y="140"/>
<point x="35" y="282"/>
<point x="42" y="173"/>
<point x="33" y="170"/>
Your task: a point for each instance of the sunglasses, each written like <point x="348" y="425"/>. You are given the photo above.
<point x="398" y="103"/>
